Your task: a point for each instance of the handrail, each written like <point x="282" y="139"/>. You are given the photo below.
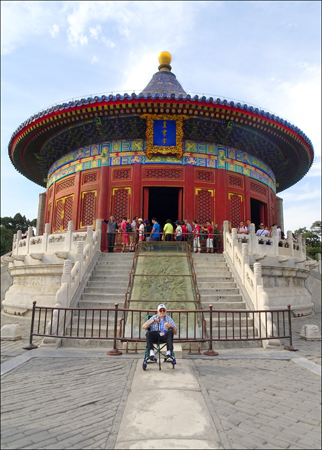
<point x="100" y="323"/>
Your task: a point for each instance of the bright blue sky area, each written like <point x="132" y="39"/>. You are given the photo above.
<point x="266" y="54"/>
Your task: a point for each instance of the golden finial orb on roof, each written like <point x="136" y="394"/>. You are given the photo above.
<point x="165" y="60"/>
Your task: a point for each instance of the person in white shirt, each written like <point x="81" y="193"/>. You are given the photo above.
<point x="261" y="231"/>
<point x="178" y="232"/>
<point x="141" y="230"/>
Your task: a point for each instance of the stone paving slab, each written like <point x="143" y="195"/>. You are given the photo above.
<point x="64" y="402"/>
<point x="171" y="397"/>
<point x="263" y="403"/>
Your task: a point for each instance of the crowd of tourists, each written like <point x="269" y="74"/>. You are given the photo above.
<point x="264" y="231"/>
<point x="200" y="237"/>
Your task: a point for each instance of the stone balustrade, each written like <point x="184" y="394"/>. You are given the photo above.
<point x="284" y="267"/>
<point x="49" y="268"/>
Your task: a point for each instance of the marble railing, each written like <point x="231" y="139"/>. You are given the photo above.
<point x="252" y="280"/>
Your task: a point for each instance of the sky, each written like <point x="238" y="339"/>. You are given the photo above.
<point x="266" y="54"/>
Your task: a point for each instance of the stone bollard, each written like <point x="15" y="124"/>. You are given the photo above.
<point x="11" y="332"/>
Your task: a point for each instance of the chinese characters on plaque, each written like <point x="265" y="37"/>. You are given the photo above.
<point x="164" y="133"/>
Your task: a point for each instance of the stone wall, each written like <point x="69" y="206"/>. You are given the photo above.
<point x="313" y="285"/>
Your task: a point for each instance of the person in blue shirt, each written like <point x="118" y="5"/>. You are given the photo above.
<point x="160" y="324"/>
<point x="155" y="233"/>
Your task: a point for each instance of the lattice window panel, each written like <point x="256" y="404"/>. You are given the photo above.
<point x="204" y="206"/>
<point x="121" y="200"/>
<point x="66" y="184"/>
<point x="168" y="174"/>
<point x="258" y="188"/>
<point x="88" y="209"/>
<point x="235" y="210"/>
<point x="90" y="177"/>
<point x="58" y="215"/>
<point x="68" y="211"/>
<point x="235" y="181"/>
<point x="122" y="174"/>
<point x="203" y="176"/>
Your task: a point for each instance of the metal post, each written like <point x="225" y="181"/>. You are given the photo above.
<point x="31" y="346"/>
<point x="290" y="347"/>
<point x="115" y="351"/>
<point x="210" y="351"/>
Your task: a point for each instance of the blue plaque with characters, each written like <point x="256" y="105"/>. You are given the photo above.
<point x="164" y="133"/>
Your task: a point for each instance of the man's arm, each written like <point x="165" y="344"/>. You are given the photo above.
<point x="171" y="324"/>
<point x="148" y="323"/>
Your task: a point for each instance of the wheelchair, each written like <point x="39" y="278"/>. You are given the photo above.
<point x="158" y="350"/>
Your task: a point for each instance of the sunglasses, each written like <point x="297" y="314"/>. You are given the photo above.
<point x="162" y="310"/>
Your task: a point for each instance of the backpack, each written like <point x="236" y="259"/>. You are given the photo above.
<point x="128" y="228"/>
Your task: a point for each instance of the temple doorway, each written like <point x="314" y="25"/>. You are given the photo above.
<point x="163" y="203"/>
<point x="258" y="212"/>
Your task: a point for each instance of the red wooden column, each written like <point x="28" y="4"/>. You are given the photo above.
<point x="103" y="200"/>
<point x="180" y="197"/>
<point x="222" y="210"/>
<point x="76" y="216"/>
<point x="136" y="197"/>
<point x="146" y="203"/>
<point x="189" y="194"/>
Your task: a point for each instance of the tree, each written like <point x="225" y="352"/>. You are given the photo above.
<point x="312" y="238"/>
<point x="9" y="226"/>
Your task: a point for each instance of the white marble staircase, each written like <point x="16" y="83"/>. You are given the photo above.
<point x="217" y="287"/>
<point x="107" y="285"/>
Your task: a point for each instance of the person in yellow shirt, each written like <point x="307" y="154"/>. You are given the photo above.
<point x="168" y="230"/>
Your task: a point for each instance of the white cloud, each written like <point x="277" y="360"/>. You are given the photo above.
<point x="94" y="32"/>
<point x="108" y="43"/>
<point x="54" y="31"/>
<point x="94" y="60"/>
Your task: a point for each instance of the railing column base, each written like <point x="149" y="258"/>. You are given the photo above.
<point x="210" y="352"/>
<point x="114" y="352"/>
<point x="30" y="347"/>
<point x="290" y="348"/>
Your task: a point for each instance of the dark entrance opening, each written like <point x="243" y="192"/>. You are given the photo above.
<point x="258" y="212"/>
<point x="163" y="204"/>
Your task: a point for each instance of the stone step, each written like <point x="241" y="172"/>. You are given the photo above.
<point x="121" y="271"/>
<point x="99" y="283"/>
<point x="97" y="302"/>
<point x="223" y="298"/>
<point x="81" y="343"/>
<point x="114" y="264"/>
<point x="207" y="257"/>
<point x="223" y="305"/>
<point x="213" y="274"/>
<point x="216" y="284"/>
<point x="104" y="277"/>
<point x="212" y="279"/>
<point x="209" y="264"/>
<point x="217" y="291"/>
<point x="106" y="290"/>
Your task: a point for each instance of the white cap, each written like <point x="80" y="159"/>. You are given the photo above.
<point x="162" y="306"/>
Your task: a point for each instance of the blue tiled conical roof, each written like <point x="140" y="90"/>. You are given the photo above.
<point x="164" y="83"/>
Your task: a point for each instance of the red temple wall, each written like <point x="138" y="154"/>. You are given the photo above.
<point x="206" y="193"/>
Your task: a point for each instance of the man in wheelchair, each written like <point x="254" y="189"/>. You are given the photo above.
<point x="161" y="330"/>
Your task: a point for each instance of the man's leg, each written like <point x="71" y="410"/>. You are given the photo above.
<point x="169" y="336"/>
<point x="151" y="338"/>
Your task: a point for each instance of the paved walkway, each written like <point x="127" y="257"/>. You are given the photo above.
<point x="82" y="398"/>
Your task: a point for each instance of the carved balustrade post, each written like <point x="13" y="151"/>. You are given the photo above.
<point x="69" y="236"/>
<point x="252" y="239"/>
<point x="29" y="236"/>
<point x="45" y="238"/>
<point x="79" y="256"/>
<point x="99" y="233"/>
<point x="258" y="279"/>
<point x="14" y="241"/>
<point x="19" y="233"/>
<point x="290" y="242"/>
<point x="89" y="240"/>
<point x="225" y="230"/>
<point x="274" y="240"/>
<point x="245" y="260"/>
<point x="234" y="241"/>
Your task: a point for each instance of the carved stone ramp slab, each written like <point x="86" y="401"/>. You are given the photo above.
<point x="166" y="409"/>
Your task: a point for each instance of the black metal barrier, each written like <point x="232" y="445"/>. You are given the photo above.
<point x="125" y="325"/>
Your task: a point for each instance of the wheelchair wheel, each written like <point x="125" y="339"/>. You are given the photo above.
<point x="174" y="362"/>
<point x="144" y="365"/>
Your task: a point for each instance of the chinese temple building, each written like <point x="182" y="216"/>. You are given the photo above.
<point x="159" y="153"/>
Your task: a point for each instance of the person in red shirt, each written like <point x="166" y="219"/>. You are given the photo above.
<point x="184" y="231"/>
<point x="196" y="234"/>
<point x="210" y="236"/>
